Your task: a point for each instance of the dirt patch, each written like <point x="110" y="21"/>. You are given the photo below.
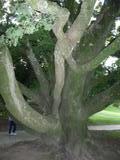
<point x="48" y="149"/>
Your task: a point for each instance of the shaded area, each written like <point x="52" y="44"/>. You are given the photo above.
<point x="46" y="148"/>
<point x="7" y="140"/>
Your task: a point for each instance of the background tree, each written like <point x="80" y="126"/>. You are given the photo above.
<point x="66" y="106"/>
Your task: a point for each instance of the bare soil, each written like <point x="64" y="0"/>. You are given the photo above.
<point x="47" y="148"/>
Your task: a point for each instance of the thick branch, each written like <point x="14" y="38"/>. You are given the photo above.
<point x="95" y="36"/>
<point x="62" y="52"/>
<point x="44" y="85"/>
<point x="62" y="49"/>
<point x="81" y="23"/>
<point x="28" y="92"/>
<point x="15" y="102"/>
<point x="87" y="84"/>
<point x="105" y="53"/>
<point x="103" y="99"/>
<point x="35" y="99"/>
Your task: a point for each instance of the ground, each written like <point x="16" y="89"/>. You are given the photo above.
<point x="101" y="145"/>
<point x="47" y="148"/>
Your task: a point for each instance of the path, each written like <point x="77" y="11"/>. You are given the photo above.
<point x="5" y="139"/>
<point x="115" y="127"/>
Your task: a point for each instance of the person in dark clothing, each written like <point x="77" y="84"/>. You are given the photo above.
<point x="12" y="127"/>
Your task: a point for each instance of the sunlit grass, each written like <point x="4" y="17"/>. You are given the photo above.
<point x="111" y="115"/>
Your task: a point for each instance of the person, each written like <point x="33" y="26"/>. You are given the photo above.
<point x="12" y="126"/>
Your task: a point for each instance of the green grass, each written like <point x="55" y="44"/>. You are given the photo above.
<point x="111" y="115"/>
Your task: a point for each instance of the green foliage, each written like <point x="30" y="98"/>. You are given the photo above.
<point x="3" y="113"/>
<point x="22" y="20"/>
<point x="43" y="47"/>
<point x="104" y="77"/>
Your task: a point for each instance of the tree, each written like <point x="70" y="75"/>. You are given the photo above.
<point x="79" y="49"/>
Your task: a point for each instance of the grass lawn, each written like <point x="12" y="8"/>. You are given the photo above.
<point x="111" y="115"/>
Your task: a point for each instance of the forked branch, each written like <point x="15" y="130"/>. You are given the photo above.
<point x="15" y="102"/>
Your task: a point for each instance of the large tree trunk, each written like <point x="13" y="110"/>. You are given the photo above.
<point x="73" y="111"/>
<point x="73" y="115"/>
<point x="76" y="107"/>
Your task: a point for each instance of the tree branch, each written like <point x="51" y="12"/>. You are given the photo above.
<point x="35" y="99"/>
<point x="15" y="102"/>
<point x="105" y="53"/>
<point x="93" y="40"/>
<point x="63" y="51"/>
<point x="81" y="23"/>
<point x="87" y="84"/>
<point x="62" y="48"/>
<point x="28" y="92"/>
<point x="44" y="85"/>
<point x="103" y="99"/>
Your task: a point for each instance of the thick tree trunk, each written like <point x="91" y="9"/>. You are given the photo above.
<point x="76" y="106"/>
<point x="73" y="116"/>
<point x="75" y="135"/>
